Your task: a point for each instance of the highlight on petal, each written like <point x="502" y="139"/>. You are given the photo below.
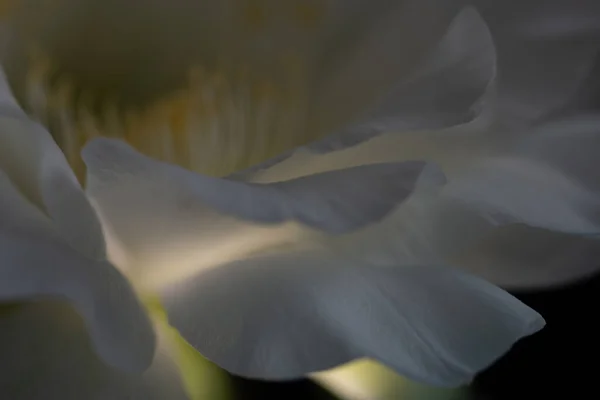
<point x="335" y="201"/>
<point x="450" y="87"/>
<point x="282" y="316"/>
<point x="47" y="354"/>
<point x="451" y="149"/>
<point x="366" y="379"/>
<point x="37" y="266"/>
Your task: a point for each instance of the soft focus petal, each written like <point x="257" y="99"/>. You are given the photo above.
<point x="8" y="103"/>
<point x="525" y="257"/>
<point x="520" y="257"/>
<point x="546" y="52"/>
<point x="336" y="201"/>
<point x="46" y="354"/>
<point x="376" y="50"/>
<point x="448" y="89"/>
<point x="299" y="313"/>
<point x="36" y="166"/>
<point x="452" y="149"/>
<point x="163" y="222"/>
<point x="37" y="266"/>
<point x="539" y="182"/>
<point x="516" y="190"/>
<point x="570" y="145"/>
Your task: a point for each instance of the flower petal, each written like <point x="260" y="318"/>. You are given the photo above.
<point x="448" y="89"/>
<point x="399" y="36"/>
<point x="546" y="53"/>
<point x="285" y="315"/>
<point x="47" y="354"/>
<point x="519" y="257"/>
<point x="517" y="190"/>
<point x="564" y="199"/>
<point x="8" y="104"/>
<point x="569" y="145"/>
<point x="452" y="149"/>
<point x="336" y="201"/>
<point x="36" y="265"/>
<point x="34" y="163"/>
<point x="546" y="181"/>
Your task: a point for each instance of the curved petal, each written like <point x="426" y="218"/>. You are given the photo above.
<point x="570" y="145"/>
<point x="378" y="51"/>
<point x="36" y="265"/>
<point x="47" y="354"/>
<point x="285" y="315"/>
<point x="547" y="181"/>
<point x="448" y="89"/>
<point x="335" y="201"/>
<point x="36" y="166"/>
<point x="8" y="104"/>
<point x="546" y="53"/>
<point x="452" y="149"/>
<point x="511" y="190"/>
<point x="165" y="220"/>
<point x="519" y="257"/>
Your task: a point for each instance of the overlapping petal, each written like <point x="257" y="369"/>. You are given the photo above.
<point x="47" y="353"/>
<point x="52" y="245"/>
<point x="289" y="314"/>
<point x="36" y="266"/>
<point x="161" y="213"/>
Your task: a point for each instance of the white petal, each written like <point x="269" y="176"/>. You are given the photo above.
<point x="452" y="149"/>
<point x="546" y="52"/>
<point x="379" y="50"/>
<point x="448" y="89"/>
<point x="36" y="265"/>
<point x="286" y="315"/>
<point x="520" y="257"/>
<point x="565" y="201"/>
<point x="336" y="201"/>
<point x="47" y="354"/>
<point x="517" y="190"/>
<point x="548" y="181"/>
<point x="34" y="163"/>
<point x="569" y="145"/>
<point x="8" y="103"/>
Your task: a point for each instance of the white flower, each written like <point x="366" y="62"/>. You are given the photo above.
<point x="322" y="257"/>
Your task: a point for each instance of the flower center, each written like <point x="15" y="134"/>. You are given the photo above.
<point x="244" y="100"/>
<point x="218" y="124"/>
